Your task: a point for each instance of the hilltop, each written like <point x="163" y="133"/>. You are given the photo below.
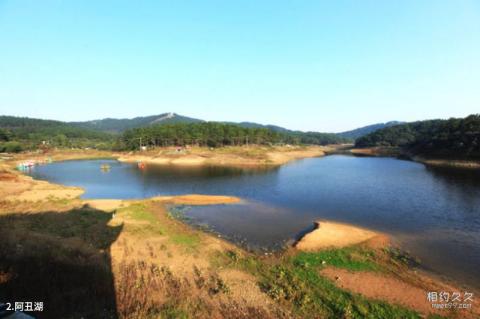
<point x="362" y="131"/>
<point x="113" y="125"/>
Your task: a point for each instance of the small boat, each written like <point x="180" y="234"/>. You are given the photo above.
<point x="26" y="165"/>
<point x="141" y="165"/>
<point x="105" y="167"/>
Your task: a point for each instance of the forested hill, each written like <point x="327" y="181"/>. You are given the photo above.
<point x="218" y="134"/>
<point x="452" y="138"/>
<point x="175" y="124"/>
<point x="120" y="125"/>
<point x="362" y="131"/>
<point x="25" y="133"/>
<point x="18" y="133"/>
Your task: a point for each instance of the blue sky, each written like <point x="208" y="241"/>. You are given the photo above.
<point x="309" y="65"/>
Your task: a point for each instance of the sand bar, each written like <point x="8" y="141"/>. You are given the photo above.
<point x="335" y="235"/>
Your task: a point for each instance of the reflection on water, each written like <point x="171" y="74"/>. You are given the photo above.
<point x="435" y="213"/>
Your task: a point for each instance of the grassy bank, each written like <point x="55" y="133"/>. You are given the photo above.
<point x="294" y="281"/>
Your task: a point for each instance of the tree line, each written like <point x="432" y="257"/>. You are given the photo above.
<point x="452" y="138"/>
<point x="19" y="133"/>
<point x="214" y="134"/>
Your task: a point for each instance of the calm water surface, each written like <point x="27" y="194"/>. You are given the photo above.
<point x="433" y="213"/>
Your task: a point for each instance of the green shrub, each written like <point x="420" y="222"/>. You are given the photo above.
<point x="11" y="147"/>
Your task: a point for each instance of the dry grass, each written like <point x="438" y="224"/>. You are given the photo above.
<point x="165" y="270"/>
<point x="152" y="291"/>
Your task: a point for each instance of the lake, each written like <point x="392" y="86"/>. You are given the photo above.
<point x="432" y="213"/>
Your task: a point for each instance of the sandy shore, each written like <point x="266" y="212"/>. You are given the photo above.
<point x="336" y="235"/>
<point x="375" y="151"/>
<point x="239" y="156"/>
<point x="226" y="156"/>
<point x="15" y="186"/>
<point x="449" y="163"/>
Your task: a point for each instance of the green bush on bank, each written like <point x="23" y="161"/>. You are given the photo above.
<point x="11" y="147"/>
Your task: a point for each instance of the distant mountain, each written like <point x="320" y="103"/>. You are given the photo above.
<point x="119" y="125"/>
<point x="362" y="131"/>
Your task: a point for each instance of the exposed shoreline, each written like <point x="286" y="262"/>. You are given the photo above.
<point x="448" y="163"/>
<point x="395" y="152"/>
<point x="241" y="156"/>
<point x="234" y="156"/>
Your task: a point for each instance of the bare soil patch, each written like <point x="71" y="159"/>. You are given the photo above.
<point x="393" y="290"/>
